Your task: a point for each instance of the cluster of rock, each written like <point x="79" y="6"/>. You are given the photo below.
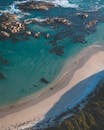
<point x="82" y="15"/>
<point x="92" y="23"/>
<point x="9" y="25"/>
<point x="35" y="5"/>
<point x="53" y="20"/>
<point x="86" y="15"/>
<point x="57" y="20"/>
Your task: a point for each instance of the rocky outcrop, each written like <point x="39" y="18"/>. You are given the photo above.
<point x="35" y="5"/>
<point x="53" y="20"/>
<point x="9" y="25"/>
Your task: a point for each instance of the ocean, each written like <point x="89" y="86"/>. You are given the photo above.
<point x="30" y="60"/>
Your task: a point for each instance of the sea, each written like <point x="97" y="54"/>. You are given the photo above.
<point x="30" y="60"/>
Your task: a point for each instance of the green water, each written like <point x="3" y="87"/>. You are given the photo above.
<point x="30" y="60"/>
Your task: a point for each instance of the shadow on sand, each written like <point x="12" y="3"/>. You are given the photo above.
<point x="70" y="99"/>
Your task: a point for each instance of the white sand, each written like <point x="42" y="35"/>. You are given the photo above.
<point x="93" y="64"/>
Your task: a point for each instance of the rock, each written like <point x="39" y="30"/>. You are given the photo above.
<point x="2" y="76"/>
<point x="91" y="23"/>
<point x="79" y="39"/>
<point x="37" y="35"/>
<point x="28" y="32"/>
<point x="34" y="85"/>
<point x="3" y="61"/>
<point x="44" y="80"/>
<point x="47" y="36"/>
<point x="63" y="20"/>
<point x="49" y="21"/>
<point x="8" y="17"/>
<point x="57" y="20"/>
<point x="83" y="15"/>
<point x="58" y="50"/>
<point x="35" y="5"/>
<point x="4" y="34"/>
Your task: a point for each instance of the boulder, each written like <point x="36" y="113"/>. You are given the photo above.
<point x="4" y="34"/>
<point x="28" y="32"/>
<point x="47" y="36"/>
<point x="37" y="35"/>
<point x="91" y="23"/>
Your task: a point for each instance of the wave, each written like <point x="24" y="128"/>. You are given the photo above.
<point x="12" y="9"/>
<point x="64" y="3"/>
<point x="77" y="4"/>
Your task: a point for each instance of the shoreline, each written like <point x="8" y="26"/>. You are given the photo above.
<point x="48" y="97"/>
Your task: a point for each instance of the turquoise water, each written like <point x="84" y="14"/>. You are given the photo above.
<point x="30" y="59"/>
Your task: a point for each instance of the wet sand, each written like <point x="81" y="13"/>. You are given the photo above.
<point x="32" y="109"/>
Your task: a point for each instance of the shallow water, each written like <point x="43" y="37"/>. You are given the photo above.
<point x="30" y="59"/>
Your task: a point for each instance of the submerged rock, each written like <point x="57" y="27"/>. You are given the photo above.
<point x="82" y="15"/>
<point x="44" y="80"/>
<point x="47" y="36"/>
<point x="2" y="76"/>
<point x="58" y="50"/>
<point x="37" y="35"/>
<point x="91" y="23"/>
<point x="79" y="39"/>
<point x="3" y="61"/>
<point x="62" y="20"/>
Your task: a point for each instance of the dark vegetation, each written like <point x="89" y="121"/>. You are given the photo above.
<point x="91" y="117"/>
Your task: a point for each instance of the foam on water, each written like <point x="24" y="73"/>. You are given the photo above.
<point x="62" y="3"/>
<point x="78" y="4"/>
<point x="65" y="3"/>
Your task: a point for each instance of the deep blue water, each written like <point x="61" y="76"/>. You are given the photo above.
<point x="30" y="59"/>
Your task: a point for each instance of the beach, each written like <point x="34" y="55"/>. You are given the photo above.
<point x="33" y="109"/>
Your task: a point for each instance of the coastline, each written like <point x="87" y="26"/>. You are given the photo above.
<point x="35" y="110"/>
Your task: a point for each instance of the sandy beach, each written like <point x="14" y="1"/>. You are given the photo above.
<point x="45" y="104"/>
